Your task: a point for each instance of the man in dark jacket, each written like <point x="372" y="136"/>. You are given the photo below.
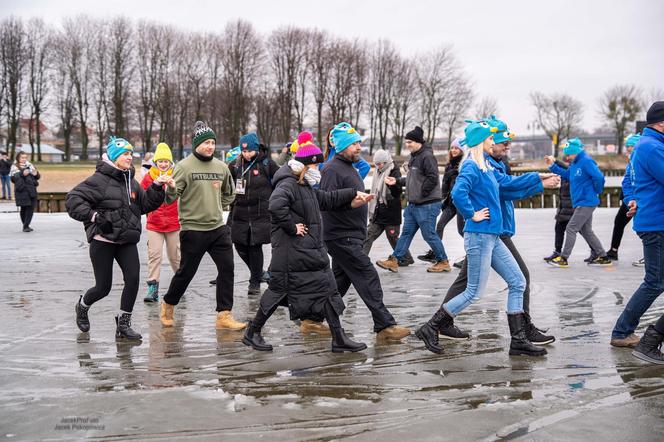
<point x="344" y="232"/>
<point x="564" y="212"/>
<point x="5" y="166"/>
<point x="424" y="199"/>
<point x="249" y="219"/>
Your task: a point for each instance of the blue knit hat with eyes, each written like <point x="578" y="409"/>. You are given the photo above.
<point x="476" y="132"/>
<point x="343" y="135"/>
<point x="573" y="146"/>
<point x="116" y="147"/>
<point x="503" y="134"/>
<point x="632" y="139"/>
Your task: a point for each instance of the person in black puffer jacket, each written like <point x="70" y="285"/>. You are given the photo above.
<point x="301" y="277"/>
<point x="26" y="179"/>
<point x="564" y="212"/>
<point x="249" y="220"/>
<point x="385" y="210"/>
<point x="110" y="204"/>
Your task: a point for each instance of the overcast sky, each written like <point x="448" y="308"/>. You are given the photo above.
<point x="509" y="48"/>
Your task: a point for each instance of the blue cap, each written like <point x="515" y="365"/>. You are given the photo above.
<point x="503" y="134"/>
<point x="249" y="142"/>
<point x="573" y="147"/>
<point x="632" y="139"/>
<point x="476" y="132"/>
<point x="343" y="135"/>
<point x="116" y="147"/>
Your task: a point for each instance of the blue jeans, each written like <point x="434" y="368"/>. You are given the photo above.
<point x="422" y="217"/>
<point x="6" y="186"/>
<point x="649" y="290"/>
<point x="483" y="252"/>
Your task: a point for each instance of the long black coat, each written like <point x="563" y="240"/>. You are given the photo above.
<point x="25" y="188"/>
<point x="565" y="207"/>
<point x="300" y="267"/>
<point x="449" y="178"/>
<point x="118" y="197"/>
<point x="390" y="214"/>
<point x="250" y="218"/>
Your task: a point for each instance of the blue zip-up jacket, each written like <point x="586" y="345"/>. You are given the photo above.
<point x="513" y="188"/>
<point x="362" y="166"/>
<point x="627" y="187"/>
<point x="648" y="181"/>
<point x="585" y="179"/>
<point x="474" y="190"/>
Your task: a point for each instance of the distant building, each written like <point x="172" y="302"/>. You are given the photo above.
<point x="49" y="153"/>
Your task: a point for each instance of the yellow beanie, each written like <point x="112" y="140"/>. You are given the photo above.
<point x="163" y="152"/>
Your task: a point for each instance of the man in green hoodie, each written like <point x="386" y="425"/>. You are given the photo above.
<point x="204" y="186"/>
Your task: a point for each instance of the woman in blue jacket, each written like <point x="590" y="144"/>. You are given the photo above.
<point x="586" y="183"/>
<point x="476" y="195"/>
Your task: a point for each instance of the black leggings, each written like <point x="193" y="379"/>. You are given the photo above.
<point x="253" y="258"/>
<point x="27" y="212"/>
<point x="449" y="212"/>
<point x="102" y="255"/>
<point x="560" y="228"/>
<point x="619" y="223"/>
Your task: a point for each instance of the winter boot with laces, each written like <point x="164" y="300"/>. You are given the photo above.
<point x="82" y="320"/>
<point x="123" y="328"/>
<point x="535" y="335"/>
<point x="428" y="333"/>
<point x="649" y="348"/>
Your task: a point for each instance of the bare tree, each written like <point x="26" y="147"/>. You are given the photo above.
<point x="359" y="68"/>
<point x="318" y="62"/>
<point x="100" y="81"/>
<point x="459" y="99"/>
<point x="437" y="75"/>
<point x="485" y="107"/>
<point x="621" y="105"/>
<point x="13" y="60"/>
<point x="403" y="100"/>
<point x="340" y="80"/>
<point x="65" y="100"/>
<point x="121" y="51"/>
<point x="266" y="111"/>
<point x="38" y="48"/>
<point x="382" y="79"/>
<point x="557" y="115"/>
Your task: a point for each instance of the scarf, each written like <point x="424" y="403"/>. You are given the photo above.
<point x="379" y="188"/>
<point x="312" y="175"/>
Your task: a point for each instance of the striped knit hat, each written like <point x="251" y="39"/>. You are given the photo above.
<point x="308" y="152"/>
<point x="201" y="133"/>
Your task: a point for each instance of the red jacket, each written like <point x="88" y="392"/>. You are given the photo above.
<point x="165" y="218"/>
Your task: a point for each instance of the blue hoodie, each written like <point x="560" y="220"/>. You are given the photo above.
<point x="362" y="166"/>
<point x="585" y="179"/>
<point x="627" y="186"/>
<point x="648" y="180"/>
<point x="474" y="190"/>
<point x="513" y="188"/>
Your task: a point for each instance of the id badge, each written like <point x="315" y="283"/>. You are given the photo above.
<point x="239" y="186"/>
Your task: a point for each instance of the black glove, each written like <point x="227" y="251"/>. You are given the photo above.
<point x="104" y="224"/>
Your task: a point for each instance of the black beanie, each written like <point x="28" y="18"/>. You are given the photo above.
<point x="655" y="113"/>
<point x="416" y="135"/>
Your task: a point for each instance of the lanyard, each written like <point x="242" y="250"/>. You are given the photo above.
<point x="244" y="171"/>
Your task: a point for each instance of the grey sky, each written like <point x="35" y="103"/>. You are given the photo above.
<point x="509" y="48"/>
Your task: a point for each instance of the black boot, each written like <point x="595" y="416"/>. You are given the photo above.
<point x="342" y="343"/>
<point x="648" y="348"/>
<point x="428" y="257"/>
<point x="123" y="328"/>
<point x="428" y="333"/>
<point x="535" y="335"/>
<point x="82" y="316"/>
<point x="253" y="338"/>
<point x="520" y="344"/>
<point x="447" y="330"/>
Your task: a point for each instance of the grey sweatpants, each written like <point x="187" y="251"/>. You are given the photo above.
<point x="582" y="222"/>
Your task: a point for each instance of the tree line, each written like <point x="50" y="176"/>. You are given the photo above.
<point x="142" y="80"/>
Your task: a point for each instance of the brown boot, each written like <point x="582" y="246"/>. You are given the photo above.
<point x="391" y="264"/>
<point x="440" y="267"/>
<point x="393" y="333"/>
<point x="166" y="314"/>
<point x="630" y="341"/>
<point x="225" y="320"/>
<point x="307" y="327"/>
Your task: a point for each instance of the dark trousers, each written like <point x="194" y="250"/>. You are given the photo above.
<point x="391" y="232"/>
<point x="27" y="212"/>
<point x="253" y="258"/>
<point x="352" y="266"/>
<point x="330" y="314"/>
<point x="193" y="245"/>
<point x="619" y="223"/>
<point x="449" y="212"/>
<point x="459" y="284"/>
<point x="649" y="290"/>
<point x="560" y="228"/>
<point x="102" y="255"/>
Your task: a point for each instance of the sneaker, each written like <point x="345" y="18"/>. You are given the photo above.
<point x="406" y="261"/>
<point x="440" y="267"/>
<point x="629" y="341"/>
<point x="428" y="256"/>
<point x="640" y="263"/>
<point x="452" y="332"/>
<point x="390" y="264"/>
<point x="601" y="261"/>
<point x="591" y="258"/>
<point x="551" y="257"/>
<point x="559" y="261"/>
<point x="612" y="255"/>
